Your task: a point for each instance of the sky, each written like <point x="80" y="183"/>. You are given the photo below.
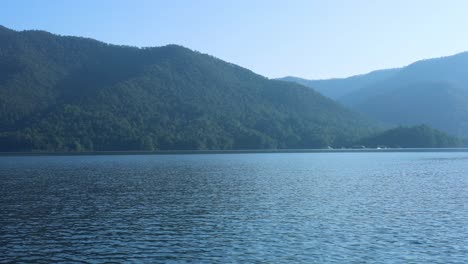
<point x="314" y="39"/>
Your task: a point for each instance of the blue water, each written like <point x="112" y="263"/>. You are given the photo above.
<point x="246" y="208"/>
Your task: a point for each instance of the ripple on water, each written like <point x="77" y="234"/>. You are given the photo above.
<point x="265" y="208"/>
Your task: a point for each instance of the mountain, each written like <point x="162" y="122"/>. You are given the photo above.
<point x="60" y="93"/>
<point x="433" y="92"/>
<point x="420" y="136"/>
<point x="453" y="69"/>
<point x="339" y="87"/>
<point x="443" y="105"/>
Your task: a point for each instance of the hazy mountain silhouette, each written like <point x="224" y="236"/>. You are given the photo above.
<point x="432" y="92"/>
<point x="339" y="87"/>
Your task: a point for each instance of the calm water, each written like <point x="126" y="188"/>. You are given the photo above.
<point x="256" y="208"/>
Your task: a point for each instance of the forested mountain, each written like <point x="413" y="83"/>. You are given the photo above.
<point x="70" y="93"/>
<point x="433" y="92"/>
<point x="443" y="105"/>
<point x="412" y="137"/>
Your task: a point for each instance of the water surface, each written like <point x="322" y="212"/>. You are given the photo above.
<point x="257" y="208"/>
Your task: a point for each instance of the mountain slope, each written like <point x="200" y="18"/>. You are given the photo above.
<point x="433" y="92"/>
<point x="453" y="69"/>
<point x="443" y="105"/>
<point x="412" y="137"/>
<point x="71" y="93"/>
<point x="340" y="87"/>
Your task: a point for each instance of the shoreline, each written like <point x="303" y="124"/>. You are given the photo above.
<point x="256" y="151"/>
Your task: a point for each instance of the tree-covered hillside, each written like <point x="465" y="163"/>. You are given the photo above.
<point x="442" y="105"/>
<point x="451" y="69"/>
<point x="420" y="136"/>
<point x="433" y="92"/>
<point x="69" y="93"/>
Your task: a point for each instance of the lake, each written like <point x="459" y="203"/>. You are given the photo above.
<point x="246" y="208"/>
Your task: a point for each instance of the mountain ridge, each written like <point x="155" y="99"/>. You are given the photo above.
<point x="60" y="93"/>
<point x="377" y="99"/>
<point x="335" y="88"/>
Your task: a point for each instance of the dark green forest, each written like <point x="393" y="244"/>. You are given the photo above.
<point x="60" y="93"/>
<point x="76" y="94"/>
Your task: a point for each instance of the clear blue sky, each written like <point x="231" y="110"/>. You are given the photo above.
<point x="306" y="38"/>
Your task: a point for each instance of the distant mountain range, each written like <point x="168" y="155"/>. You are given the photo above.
<point x="432" y="92"/>
<point x="338" y="88"/>
<point x="62" y="93"/>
